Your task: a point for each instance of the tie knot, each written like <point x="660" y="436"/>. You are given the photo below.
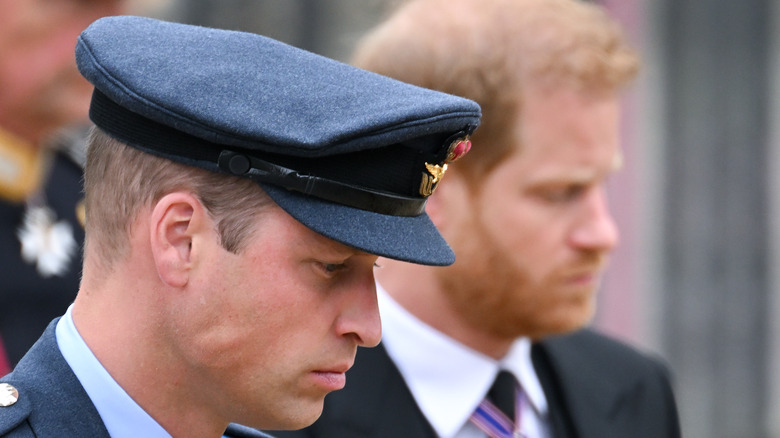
<point x="495" y="415"/>
<point x="503" y="393"/>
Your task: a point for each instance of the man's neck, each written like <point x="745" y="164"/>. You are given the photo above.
<point x="416" y="289"/>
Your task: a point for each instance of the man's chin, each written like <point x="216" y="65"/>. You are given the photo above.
<point x="304" y="416"/>
<point x="565" y="323"/>
<point x="576" y="320"/>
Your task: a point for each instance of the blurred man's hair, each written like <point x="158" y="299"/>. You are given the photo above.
<point x="491" y="50"/>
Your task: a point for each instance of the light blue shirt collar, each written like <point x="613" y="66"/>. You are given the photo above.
<point x="122" y="416"/>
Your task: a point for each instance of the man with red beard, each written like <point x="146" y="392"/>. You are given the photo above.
<point x="528" y="219"/>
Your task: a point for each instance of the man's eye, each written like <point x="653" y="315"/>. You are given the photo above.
<point x="331" y="268"/>
<point x="564" y="194"/>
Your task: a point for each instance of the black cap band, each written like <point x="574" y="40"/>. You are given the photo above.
<point x="161" y="140"/>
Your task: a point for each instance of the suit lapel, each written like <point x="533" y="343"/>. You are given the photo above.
<point x="406" y="420"/>
<point x="375" y="402"/>
<point x="585" y="398"/>
<point x="558" y="412"/>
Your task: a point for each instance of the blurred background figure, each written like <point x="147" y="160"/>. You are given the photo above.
<point x="43" y="123"/>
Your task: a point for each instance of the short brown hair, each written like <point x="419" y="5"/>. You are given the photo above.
<point x="119" y="180"/>
<point x="490" y="50"/>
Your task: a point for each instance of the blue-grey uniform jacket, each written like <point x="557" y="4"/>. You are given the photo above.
<point x="51" y="402"/>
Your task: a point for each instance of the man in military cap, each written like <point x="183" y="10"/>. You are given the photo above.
<point x="238" y="193"/>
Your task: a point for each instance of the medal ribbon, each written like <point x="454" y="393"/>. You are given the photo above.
<point x="5" y="366"/>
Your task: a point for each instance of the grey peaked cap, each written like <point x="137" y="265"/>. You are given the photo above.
<point x="340" y="149"/>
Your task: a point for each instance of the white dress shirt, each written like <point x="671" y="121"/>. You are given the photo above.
<point x="123" y="417"/>
<point x="449" y="380"/>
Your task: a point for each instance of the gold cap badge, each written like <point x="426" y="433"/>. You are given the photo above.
<point x="457" y="149"/>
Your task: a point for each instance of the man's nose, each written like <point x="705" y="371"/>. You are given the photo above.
<point x="360" y="316"/>
<point x="596" y="229"/>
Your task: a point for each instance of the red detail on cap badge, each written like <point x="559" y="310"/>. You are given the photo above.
<point x="458" y="148"/>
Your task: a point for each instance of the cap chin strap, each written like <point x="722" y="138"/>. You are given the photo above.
<point x="349" y="195"/>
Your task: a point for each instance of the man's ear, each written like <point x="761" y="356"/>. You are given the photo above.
<point x="176" y="220"/>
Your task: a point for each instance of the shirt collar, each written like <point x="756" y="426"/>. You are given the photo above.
<point x="122" y="416"/>
<point x="447" y="379"/>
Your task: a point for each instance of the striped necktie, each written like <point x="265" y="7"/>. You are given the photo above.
<point x="498" y="415"/>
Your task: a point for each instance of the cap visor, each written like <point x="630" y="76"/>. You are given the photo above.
<point x="410" y="239"/>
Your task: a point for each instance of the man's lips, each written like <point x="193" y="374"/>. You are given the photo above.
<point x="330" y="381"/>
<point x="332" y="378"/>
<point x="585" y="276"/>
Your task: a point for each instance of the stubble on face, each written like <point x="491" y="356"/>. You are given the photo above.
<point x="533" y="240"/>
<point x="496" y="294"/>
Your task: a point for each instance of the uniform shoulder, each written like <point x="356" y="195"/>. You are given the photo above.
<point x="15" y="409"/>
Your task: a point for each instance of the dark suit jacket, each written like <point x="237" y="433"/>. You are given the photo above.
<point x="595" y="386"/>
<point x="52" y="402"/>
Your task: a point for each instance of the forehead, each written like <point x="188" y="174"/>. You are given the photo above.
<point x="566" y="131"/>
<point x="569" y="111"/>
